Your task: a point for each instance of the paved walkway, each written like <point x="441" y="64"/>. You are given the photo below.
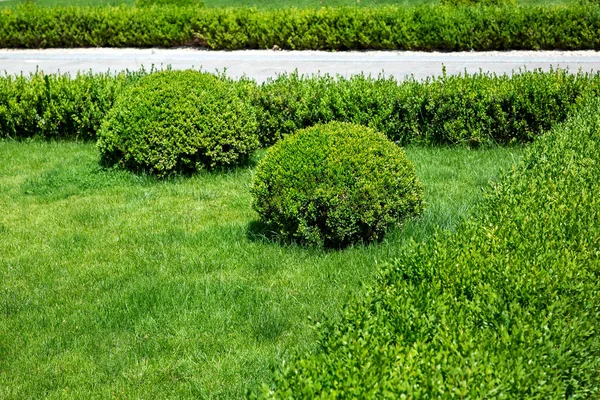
<point x="262" y="64"/>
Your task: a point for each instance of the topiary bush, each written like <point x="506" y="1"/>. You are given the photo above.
<point x="178" y="121"/>
<point x="334" y="185"/>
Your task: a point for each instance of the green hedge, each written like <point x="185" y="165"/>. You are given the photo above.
<point x="426" y="27"/>
<point x="58" y="106"/>
<point x="464" y="3"/>
<point x="472" y="109"/>
<point x="508" y="306"/>
<point x="177" y="3"/>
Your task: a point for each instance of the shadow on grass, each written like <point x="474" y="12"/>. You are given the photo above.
<point x="196" y="164"/>
<point x="258" y="231"/>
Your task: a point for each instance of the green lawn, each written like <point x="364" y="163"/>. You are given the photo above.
<point x="117" y="285"/>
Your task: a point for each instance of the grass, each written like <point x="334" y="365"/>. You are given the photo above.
<point x="117" y="285"/>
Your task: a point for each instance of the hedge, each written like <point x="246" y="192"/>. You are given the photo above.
<point x="58" y="106"/>
<point x="472" y="109"/>
<point x="425" y="27"/>
<point x="507" y="306"/>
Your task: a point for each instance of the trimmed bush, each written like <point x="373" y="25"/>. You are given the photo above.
<point x="335" y="185"/>
<point x="508" y="306"/>
<point x="178" y="121"/>
<point x="425" y="27"/>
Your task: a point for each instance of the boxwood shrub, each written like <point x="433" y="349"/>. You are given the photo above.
<point x="335" y="185"/>
<point x="58" y="106"/>
<point x="178" y="121"/>
<point x="507" y="306"/>
<point x="470" y="3"/>
<point x="173" y="3"/>
<point x="472" y="109"/>
<point x="423" y="27"/>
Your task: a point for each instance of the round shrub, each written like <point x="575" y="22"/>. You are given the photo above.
<point x="334" y="185"/>
<point x="178" y="121"/>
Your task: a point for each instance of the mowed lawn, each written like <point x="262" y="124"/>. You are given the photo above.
<point x="119" y="285"/>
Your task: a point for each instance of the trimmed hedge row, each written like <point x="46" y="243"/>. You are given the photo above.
<point x="177" y="3"/>
<point x="508" y="306"/>
<point x="426" y="27"/>
<point x="58" y="106"/>
<point x="471" y="109"/>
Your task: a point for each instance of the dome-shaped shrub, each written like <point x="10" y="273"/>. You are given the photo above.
<point x="334" y="185"/>
<point x="176" y="121"/>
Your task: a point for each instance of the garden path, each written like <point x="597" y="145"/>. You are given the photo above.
<point x="263" y="64"/>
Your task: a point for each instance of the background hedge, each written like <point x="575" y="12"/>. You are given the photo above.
<point x="426" y="27"/>
<point x="470" y="109"/>
<point x="58" y="106"/>
<point x="508" y="306"/>
<point x="473" y="109"/>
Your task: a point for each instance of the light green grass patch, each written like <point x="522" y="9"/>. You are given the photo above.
<point x="119" y="285"/>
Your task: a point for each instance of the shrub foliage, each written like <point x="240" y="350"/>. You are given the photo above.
<point x="426" y="27"/>
<point x="58" y="106"/>
<point x="176" y="3"/>
<point x="480" y="108"/>
<point x="473" y="109"/>
<point x="335" y="185"/>
<point x="176" y="121"/>
<point x="508" y="306"/>
<point x="467" y="3"/>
